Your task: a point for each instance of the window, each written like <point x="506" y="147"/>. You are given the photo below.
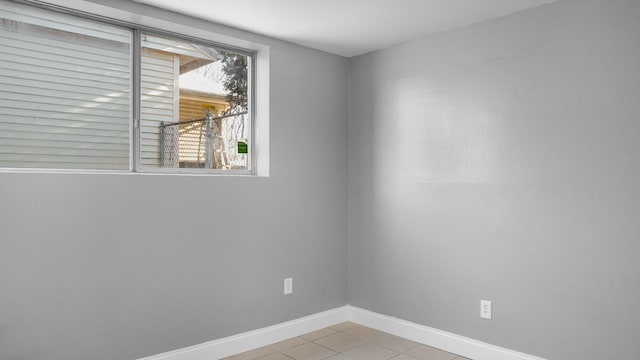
<point x="194" y="106"/>
<point x="65" y="94"/>
<point x="77" y="93"/>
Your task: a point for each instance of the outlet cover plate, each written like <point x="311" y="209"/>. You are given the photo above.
<point x="485" y="309"/>
<point x="288" y="286"/>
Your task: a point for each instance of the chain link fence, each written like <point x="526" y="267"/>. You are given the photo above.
<point x="208" y="143"/>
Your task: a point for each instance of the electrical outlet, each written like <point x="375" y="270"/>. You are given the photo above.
<point x="485" y="309"/>
<point x="288" y="286"/>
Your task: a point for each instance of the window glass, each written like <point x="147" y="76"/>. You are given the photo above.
<point x="64" y="91"/>
<point x="67" y="99"/>
<point x="194" y="106"/>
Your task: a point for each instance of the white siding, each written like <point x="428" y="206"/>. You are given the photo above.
<point x="159" y="96"/>
<point x="64" y="91"/>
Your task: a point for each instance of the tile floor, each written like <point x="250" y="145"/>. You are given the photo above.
<point x="347" y="341"/>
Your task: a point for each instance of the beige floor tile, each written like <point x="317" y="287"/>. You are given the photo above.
<point x="308" y="351"/>
<point x="403" y="357"/>
<point x="338" y="357"/>
<point x="254" y="354"/>
<point x="370" y="351"/>
<point x="275" y="356"/>
<point x="346" y="341"/>
<point x="293" y="342"/>
<point x="318" y="334"/>
<point x="343" y="326"/>
<point x="424" y="352"/>
<point x="395" y="343"/>
<point x="363" y="332"/>
<point x="340" y="342"/>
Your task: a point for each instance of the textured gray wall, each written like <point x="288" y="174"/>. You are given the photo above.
<point x="125" y="266"/>
<point x="502" y="162"/>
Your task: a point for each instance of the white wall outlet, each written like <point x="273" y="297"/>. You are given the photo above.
<point x="485" y="309"/>
<point x="288" y="286"/>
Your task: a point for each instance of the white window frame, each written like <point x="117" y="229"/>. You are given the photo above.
<point x="258" y="58"/>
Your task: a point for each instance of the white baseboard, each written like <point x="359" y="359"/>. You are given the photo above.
<point x="236" y="344"/>
<point x="218" y="349"/>
<point x="463" y="346"/>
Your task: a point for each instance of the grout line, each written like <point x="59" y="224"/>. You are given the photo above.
<point x="367" y="341"/>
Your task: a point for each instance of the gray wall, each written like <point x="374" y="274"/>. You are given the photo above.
<point x="502" y="162"/>
<point x="124" y="266"/>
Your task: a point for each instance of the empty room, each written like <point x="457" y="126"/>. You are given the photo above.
<point x="310" y="180"/>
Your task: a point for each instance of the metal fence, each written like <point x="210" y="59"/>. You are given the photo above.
<point x="209" y="143"/>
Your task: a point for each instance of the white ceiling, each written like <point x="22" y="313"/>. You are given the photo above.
<point x="346" y="27"/>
